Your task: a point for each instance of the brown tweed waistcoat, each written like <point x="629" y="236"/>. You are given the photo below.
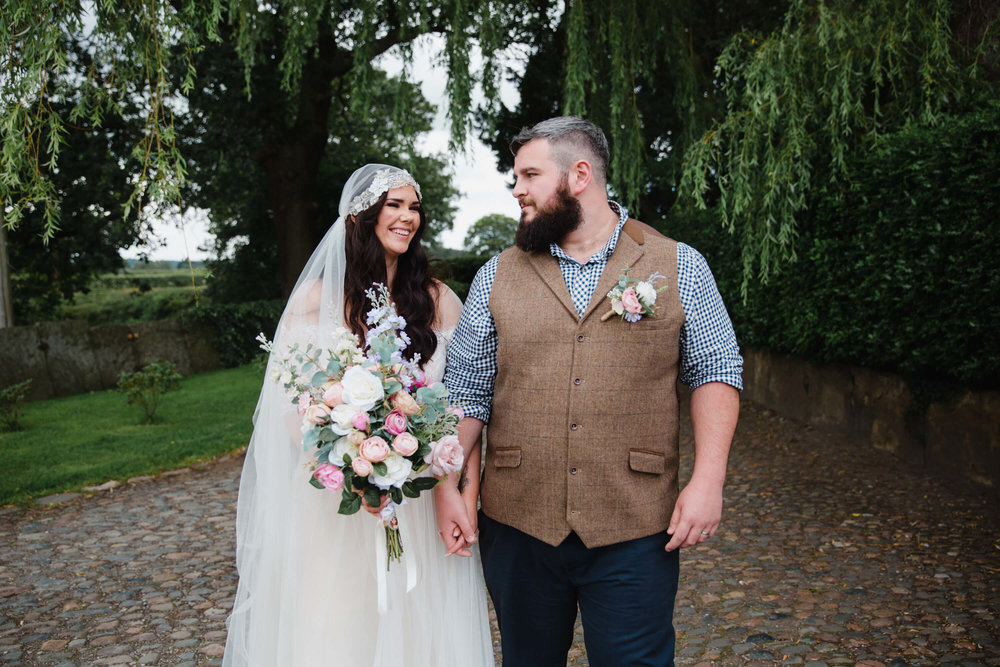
<point x="583" y="433"/>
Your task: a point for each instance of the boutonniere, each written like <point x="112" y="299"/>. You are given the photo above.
<point x="632" y="298"/>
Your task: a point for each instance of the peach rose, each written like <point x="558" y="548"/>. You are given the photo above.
<point x="334" y="395"/>
<point x="330" y="477"/>
<point x="317" y="414"/>
<point x="405" y="444"/>
<point x="362" y="466"/>
<point x="446" y="456"/>
<point x="356" y="438"/>
<point x="395" y="422"/>
<point x="630" y="301"/>
<point x="374" y="449"/>
<point x="405" y="403"/>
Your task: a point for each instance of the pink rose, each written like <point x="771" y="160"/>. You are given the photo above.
<point x="446" y="456"/>
<point x="304" y="400"/>
<point x="405" y="444"/>
<point x="374" y="449"/>
<point x="334" y="395"/>
<point x="457" y="411"/>
<point x="317" y="414"/>
<point x="405" y="403"/>
<point x="630" y="301"/>
<point x="419" y="379"/>
<point x="395" y="422"/>
<point x="356" y="438"/>
<point x="330" y="477"/>
<point x="360" y="421"/>
<point x="362" y="466"/>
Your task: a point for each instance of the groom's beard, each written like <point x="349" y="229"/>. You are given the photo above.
<point x="551" y="224"/>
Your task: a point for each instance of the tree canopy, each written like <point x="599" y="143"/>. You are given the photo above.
<point x="490" y="234"/>
<point x="294" y="56"/>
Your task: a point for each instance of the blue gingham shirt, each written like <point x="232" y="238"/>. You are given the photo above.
<point x="708" y="348"/>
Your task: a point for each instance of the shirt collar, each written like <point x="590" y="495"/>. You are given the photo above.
<point x="609" y="247"/>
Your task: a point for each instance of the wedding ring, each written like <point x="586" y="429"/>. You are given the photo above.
<point x="704" y="532"/>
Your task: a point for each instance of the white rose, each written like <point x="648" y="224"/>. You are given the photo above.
<point x="646" y="292"/>
<point x="398" y="471"/>
<point x="362" y="389"/>
<point x="341" y="447"/>
<point x="341" y="417"/>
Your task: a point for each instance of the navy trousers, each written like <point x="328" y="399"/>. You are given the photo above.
<point x="625" y="593"/>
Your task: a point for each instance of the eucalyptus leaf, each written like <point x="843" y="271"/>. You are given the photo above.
<point x="350" y="503"/>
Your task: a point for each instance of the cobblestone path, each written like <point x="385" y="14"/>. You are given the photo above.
<point x="830" y="553"/>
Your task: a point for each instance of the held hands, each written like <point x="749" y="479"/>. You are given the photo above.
<point x="457" y="526"/>
<point x="696" y="515"/>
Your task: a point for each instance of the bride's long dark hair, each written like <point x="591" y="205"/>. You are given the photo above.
<point x="411" y="286"/>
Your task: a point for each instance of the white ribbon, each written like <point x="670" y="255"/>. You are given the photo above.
<point x="382" y="563"/>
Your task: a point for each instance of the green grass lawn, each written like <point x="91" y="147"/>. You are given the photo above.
<point x="69" y="443"/>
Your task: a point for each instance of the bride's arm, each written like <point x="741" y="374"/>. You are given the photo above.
<point x="457" y="498"/>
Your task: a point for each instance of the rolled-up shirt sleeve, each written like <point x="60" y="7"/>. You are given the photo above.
<point x="708" y="348"/>
<point x="472" y="354"/>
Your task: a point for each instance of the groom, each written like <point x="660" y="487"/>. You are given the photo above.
<point x="580" y="500"/>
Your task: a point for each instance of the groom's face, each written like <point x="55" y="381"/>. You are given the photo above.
<point x="537" y="178"/>
<point x="548" y="210"/>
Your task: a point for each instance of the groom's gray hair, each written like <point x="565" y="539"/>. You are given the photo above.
<point x="572" y="138"/>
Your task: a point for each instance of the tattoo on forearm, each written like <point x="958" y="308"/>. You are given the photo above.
<point x="463" y="481"/>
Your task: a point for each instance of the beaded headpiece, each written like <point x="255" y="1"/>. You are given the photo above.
<point x="385" y="180"/>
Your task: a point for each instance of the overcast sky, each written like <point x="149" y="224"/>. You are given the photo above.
<point x="482" y="189"/>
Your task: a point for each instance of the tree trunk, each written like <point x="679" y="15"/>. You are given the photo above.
<point x="291" y="166"/>
<point x="6" y="304"/>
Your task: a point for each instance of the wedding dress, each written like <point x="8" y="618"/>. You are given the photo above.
<point x="308" y="594"/>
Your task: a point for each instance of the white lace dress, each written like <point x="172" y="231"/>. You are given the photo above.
<point x="318" y="606"/>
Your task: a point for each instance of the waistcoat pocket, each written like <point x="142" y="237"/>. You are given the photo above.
<point x="643" y="461"/>
<point x="507" y="458"/>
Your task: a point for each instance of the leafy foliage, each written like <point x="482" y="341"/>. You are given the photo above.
<point x="146" y="386"/>
<point x="490" y="234"/>
<point x="641" y="70"/>
<point x="827" y="84"/>
<point x="11" y="400"/>
<point x="234" y="327"/>
<point x="898" y="270"/>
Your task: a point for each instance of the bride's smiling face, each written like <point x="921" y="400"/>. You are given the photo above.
<point x="398" y="221"/>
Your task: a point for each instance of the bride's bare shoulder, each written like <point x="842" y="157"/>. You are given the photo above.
<point x="447" y="306"/>
<point x="307" y="298"/>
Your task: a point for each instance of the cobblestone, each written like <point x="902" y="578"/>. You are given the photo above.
<point x="830" y="553"/>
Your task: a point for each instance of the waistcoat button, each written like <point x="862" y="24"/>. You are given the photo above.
<point x="573" y="427"/>
<point x="579" y="338"/>
<point x="573" y="471"/>
<point x="577" y="381"/>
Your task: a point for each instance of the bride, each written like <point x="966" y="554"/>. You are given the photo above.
<point x="311" y="580"/>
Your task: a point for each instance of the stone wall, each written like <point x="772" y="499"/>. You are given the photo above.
<point x="70" y="357"/>
<point x="959" y="437"/>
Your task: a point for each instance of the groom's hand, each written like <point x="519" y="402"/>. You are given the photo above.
<point x="696" y="515"/>
<point x="454" y="526"/>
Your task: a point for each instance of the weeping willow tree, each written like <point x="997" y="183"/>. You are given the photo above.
<point x="141" y="62"/>
<point x="833" y="79"/>
<point x="775" y="119"/>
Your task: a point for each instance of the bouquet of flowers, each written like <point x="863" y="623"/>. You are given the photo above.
<point x="632" y="298"/>
<point x="375" y="428"/>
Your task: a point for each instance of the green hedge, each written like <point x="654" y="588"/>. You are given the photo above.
<point x="234" y="327"/>
<point x="900" y="272"/>
<point x="145" y="281"/>
<point x="458" y="272"/>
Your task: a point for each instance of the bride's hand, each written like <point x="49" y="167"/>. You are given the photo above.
<point x="454" y="526"/>
<point x="374" y="511"/>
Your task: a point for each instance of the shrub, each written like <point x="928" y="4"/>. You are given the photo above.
<point x="234" y="327"/>
<point x="145" y="387"/>
<point x="11" y="400"/>
<point x="899" y="272"/>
